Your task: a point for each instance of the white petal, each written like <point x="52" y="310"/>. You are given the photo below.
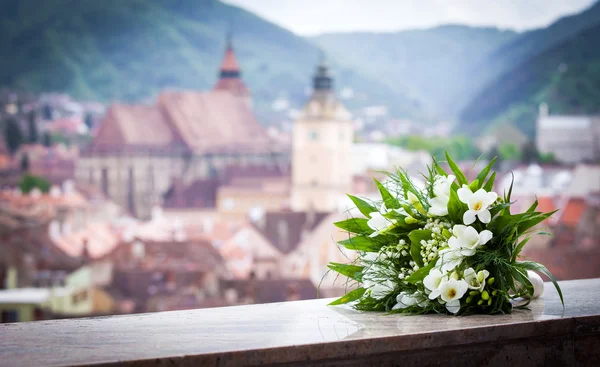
<point x="458" y="230"/>
<point x="454" y="243"/>
<point x="439" y="206"/>
<point x="469" y="238"/>
<point x="435" y="294"/>
<point x="484" y="216"/>
<point x="469" y="217"/>
<point x="479" y="195"/>
<point x="464" y="194"/>
<point x="485" y="236"/>
<point x="490" y="198"/>
<point x="453" y="306"/>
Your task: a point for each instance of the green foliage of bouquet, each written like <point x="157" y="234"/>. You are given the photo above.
<point x="449" y="247"/>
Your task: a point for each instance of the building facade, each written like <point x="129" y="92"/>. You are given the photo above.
<point x="187" y="135"/>
<point x="571" y="139"/>
<point x="321" y="149"/>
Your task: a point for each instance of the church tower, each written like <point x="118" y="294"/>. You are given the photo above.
<point x="321" y="149"/>
<point x="230" y="76"/>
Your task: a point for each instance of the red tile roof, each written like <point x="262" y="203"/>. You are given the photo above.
<point x="233" y="85"/>
<point x="572" y="213"/>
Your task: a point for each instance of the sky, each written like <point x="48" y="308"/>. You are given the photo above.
<point x="311" y="17"/>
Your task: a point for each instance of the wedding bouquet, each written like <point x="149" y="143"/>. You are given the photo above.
<point x="448" y="246"/>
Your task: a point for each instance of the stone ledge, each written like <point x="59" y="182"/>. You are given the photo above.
<point x="310" y="333"/>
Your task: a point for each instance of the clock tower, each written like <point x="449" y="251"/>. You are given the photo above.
<point x="321" y="149"/>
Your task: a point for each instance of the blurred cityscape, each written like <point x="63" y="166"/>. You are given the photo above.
<point x="135" y="178"/>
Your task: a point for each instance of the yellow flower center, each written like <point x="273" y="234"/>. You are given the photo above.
<point x="452" y="293"/>
<point x="477" y="205"/>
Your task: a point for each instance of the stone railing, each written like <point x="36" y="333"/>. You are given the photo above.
<point x="311" y="333"/>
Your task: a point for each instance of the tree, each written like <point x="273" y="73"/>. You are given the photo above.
<point x="530" y="153"/>
<point x="25" y="162"/>
<point x="509" y="152"/>
<point x="47" y="140"/>
<point x="33" y="130"/>
<point x="13" y="135"/>
<point x="30" y="182"/>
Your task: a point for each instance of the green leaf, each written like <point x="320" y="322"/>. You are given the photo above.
<point x="388" y="199"/>
<point x="438" y="168"/>
<point x="532" y="265"/>
<point x="349" y="297"/>
<point x="355" y="225"/>
<point x="421" y="273"/>
<point x="455" y="207"/>
<point x="484" y="173"/>
<point x="460" y="176"/>
<point x="518" y="248"/>
<point x="349" y="270"/>
<point x="416" y="237"/>
<point x="533" y="206"/>
<point x="489" y="185"/>
<point x="512" y="181"/>
<point x="474" y="186"/>
<point x="534" y="220"/>
<point x="361" y="243"/>
<point x="365" y="208"/>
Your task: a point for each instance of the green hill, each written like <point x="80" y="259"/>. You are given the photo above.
<point x="129" y="50"/>
<point x="499" y="63"/>
<point x="566" y="76"/>
<point x="430" y="64"/>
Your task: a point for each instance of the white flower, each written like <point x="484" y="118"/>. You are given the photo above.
<point x="453" y="306"/>
<point x="412" y="198"/>
<point x="466" y="239"/>
<point x="478" y="203"/>
<point x="441" y="191"/>
<point x="380" y="290"/>
<point x="451" y="293"/>
<point x="432" y="282"/>
<point x="405" y="300"/>
<point x="476" y="280"/>
<point x="449" y="259"/>
<point x="379" y="223"/>
<point x="377" y="278"/>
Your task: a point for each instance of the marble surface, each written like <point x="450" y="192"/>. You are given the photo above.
<point x="288" y="332"/>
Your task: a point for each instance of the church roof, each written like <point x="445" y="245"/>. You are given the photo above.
<point x="198" y="122"/>
<point x="213" y="122"/>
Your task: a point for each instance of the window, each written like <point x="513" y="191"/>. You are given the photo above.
<point x="10" y="316"/>
<point x="313" y="135"/>
<point x="79" y="296"/>
<point x="104" y="178"/>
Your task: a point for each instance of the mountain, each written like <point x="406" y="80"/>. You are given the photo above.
<point x="566" y="77"/>
<point x="129" y="50"/>
<point x="430" y="64"/>
<point x="507" y="57"/>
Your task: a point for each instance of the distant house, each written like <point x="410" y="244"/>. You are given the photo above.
<point x="571" y="139"/>
<point x="23" y="304"/>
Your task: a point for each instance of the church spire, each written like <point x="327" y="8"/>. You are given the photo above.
<point x="229" y="67"/>
<point x="322" y="80"/>
<point x="229" y="74"/>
